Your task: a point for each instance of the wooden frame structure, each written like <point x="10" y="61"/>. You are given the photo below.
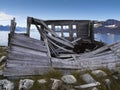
<point x="83" y="29"/>
<point x="75" y="28"/>
<point x="28" y="56"/>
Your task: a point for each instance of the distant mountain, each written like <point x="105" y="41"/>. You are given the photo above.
<point x="7" y="28"/>
<point x="112" y="22"/>
<point x="108" y="26"/>
<point x="4" y="28"/>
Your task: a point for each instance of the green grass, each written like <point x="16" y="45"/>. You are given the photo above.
<point x="53" y="74"/>
<point x="3" y="51"/>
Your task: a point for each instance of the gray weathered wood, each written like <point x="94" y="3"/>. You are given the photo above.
<point x="70" y="51"/>
<point x="28" y="45"/>
<point x="12" y="28"/>
<point x="17" y="64"/>
<point x="88" y="85"/>
<point x="26" y="50"/>
<point x="25" y="56"/>
<point x="11" y="71"/>
<point x="60" y="41"/>
<point x="25" y="38"/>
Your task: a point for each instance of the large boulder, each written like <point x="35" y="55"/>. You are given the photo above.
<point x="6" y="85"/>
<point x="68" y="79"/>
<point x="25" y="84"/>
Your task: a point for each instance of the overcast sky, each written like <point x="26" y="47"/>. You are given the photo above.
<point x="58" y="9"/>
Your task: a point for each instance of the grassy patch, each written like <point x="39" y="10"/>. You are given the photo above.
<point x="3" y="51"/>
<point x="53" y="74"/>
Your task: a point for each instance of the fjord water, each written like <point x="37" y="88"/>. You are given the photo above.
<point x="106" y="38"/>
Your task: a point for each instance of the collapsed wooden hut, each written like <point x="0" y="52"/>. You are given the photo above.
<point x="28" y="56"/>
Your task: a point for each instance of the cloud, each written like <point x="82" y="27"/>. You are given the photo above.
<point x="4" y="16"/>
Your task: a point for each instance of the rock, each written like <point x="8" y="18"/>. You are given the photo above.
<point x="25" y="84"/>
<point x="99" y="73"/>
<point x="42" y="81"/>
<point x="3" y="58"/>
<point x="6" y="85"/>
<point x="94" y="88"/>
<point x="69" y="79"/>
<point x="56" y="83"/>
<point x="88" y="78"/>
<point x="108" y="83"/>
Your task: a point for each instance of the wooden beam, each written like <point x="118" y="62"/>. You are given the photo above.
<point x="70" y="51"/>
<point x="13" y="26"/>
<point x="88" y="85"/>
<point x="60" y="41"/>
<point x="45" y="40"/>
<point x="29" y="20"/>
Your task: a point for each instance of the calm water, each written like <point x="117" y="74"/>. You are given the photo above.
<point x="107" y="38"/>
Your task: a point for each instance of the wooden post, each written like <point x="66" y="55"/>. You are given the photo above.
<point x="62" y="31"/>
<point x="70" y="32"/>
<point x="91" y="31"/>
<point x="29" y="20"/>
<point x="12" y="28"/>
<point x="53" y="27"/>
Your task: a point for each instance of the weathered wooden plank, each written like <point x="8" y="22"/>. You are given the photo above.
<point x="22" y="71"/>
<point x="102" y="54"/>
<point x="28" y="45"/>
<point x="37" y="62"/>
<point x="94" y="84"/>
<point x="26" y="50"/>
<point x="65" y="64"/>
<point x="28" y="39"/>
<point x="53" y="49"/>
<point x="25" y="56"/>
<point x="102" y="58"/>
<point x="92" y="53"/>
<point x="70" y="51"/>
<point x="44" y="38"/>
<point x="60" y="41"/>
<point x="17" y="64"/>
